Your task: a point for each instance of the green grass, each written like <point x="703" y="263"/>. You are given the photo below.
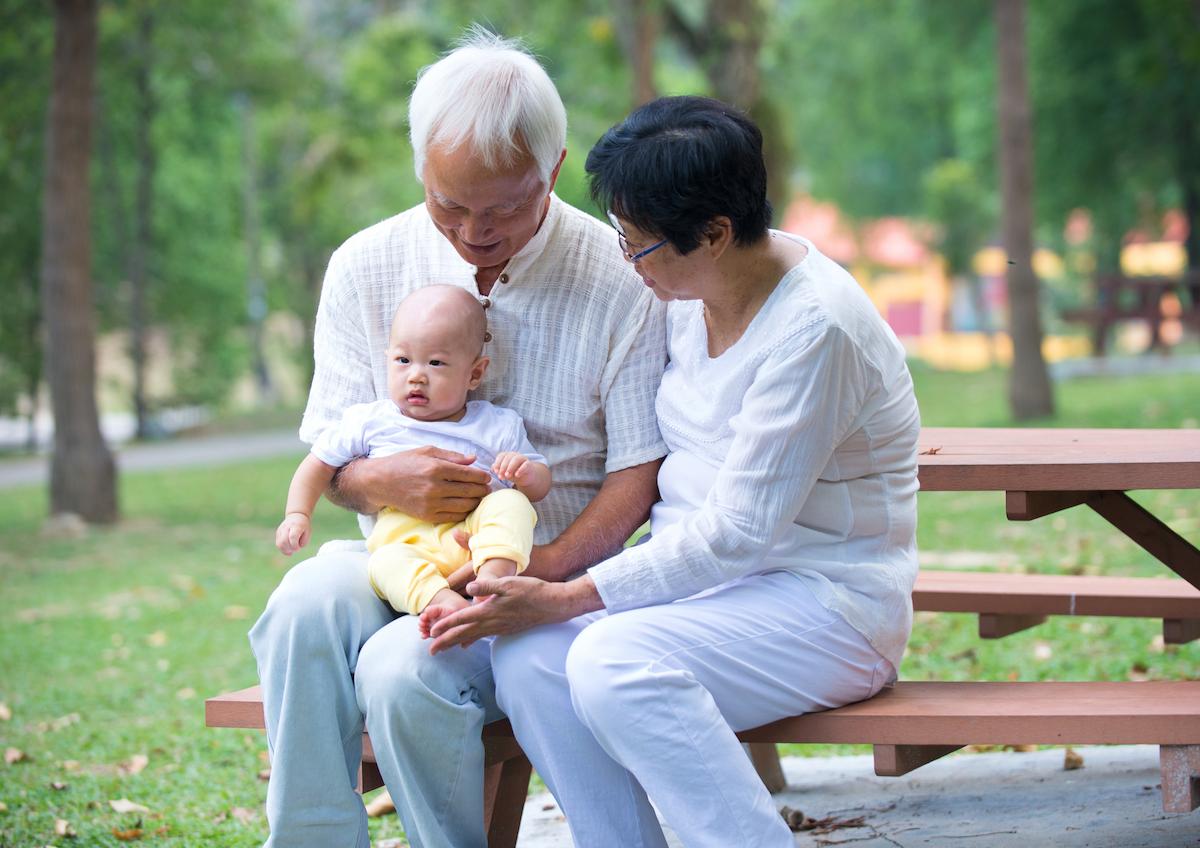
<point x="129" y="628"/>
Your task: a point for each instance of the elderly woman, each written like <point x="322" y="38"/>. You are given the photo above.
<point x="778" y="576"/>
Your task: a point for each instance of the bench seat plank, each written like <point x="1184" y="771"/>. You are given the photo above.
<point x="1054" y="594"/>
<point x="1005" y="713"/>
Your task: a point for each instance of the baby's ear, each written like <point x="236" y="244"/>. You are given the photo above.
<point x="478" y="370"/>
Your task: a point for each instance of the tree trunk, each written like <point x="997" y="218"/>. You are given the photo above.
<point x="82" y="472"/>
<point x="256" y="289"/>
<point x="1030" y="393"/>
<point x="141" y="246"/>
<point x="637" y="31"/>
<point x="727" y="47"/>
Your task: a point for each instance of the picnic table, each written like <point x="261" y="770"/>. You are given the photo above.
<point x="1152" y="299"/>
<point x="1041" y="471"/>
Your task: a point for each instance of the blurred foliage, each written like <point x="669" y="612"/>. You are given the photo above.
<point x="884" y="108"/>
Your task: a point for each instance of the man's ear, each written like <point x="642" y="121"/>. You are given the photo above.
<point x="477" y="371"/>
<point x="557" y="168"/>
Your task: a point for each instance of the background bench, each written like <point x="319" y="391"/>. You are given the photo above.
<point x="909" y="725"/>
<point x="1007" y="603"/>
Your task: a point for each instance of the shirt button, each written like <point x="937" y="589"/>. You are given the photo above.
<point x="503" y="278"/>
<point x="487" y="301"/>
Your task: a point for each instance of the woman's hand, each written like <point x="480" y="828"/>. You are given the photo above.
<point x="510" y="605"/>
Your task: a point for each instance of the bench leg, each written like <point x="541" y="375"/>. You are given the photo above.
<point x="895" y="760"/>
<point x="1180" y="631"/>
<point x="994" y="625"/>
<point x="765" y="757"/>
<point x="505" y="786"/>
<point x="368" y="777"/>
<point x="1180" y="777"/>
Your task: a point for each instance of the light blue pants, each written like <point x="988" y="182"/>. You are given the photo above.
<point x="330" y="652"/>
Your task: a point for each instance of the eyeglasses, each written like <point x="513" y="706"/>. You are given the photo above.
<point x="631" y="257"/>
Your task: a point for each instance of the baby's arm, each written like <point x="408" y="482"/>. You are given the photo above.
<point x="309" y="481"/>
<point x="532" y="479"/>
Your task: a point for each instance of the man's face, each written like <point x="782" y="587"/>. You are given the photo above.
<point x="487" y="215"/>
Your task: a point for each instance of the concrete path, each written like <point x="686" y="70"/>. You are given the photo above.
<point x="176" y="453"/>
<point x="1003" y="799"/>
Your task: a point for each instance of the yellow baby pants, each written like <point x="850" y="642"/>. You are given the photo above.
<point x="411" y="559"/>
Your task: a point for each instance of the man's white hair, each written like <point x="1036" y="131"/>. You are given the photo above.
<point x="490" y="93"/>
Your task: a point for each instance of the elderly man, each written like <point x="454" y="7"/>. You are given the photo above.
<point x="577" y="348"/>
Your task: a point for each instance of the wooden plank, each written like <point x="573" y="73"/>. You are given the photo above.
<point x="1180" y="631"/>
<point x="1005" y="713"/>
<point x="997" y="626"/>
<point x="1026" y="506"/>
<point x="1054" y="594"/>
<point x="897" y="760"/>
<point x="1132" y="519"/>
<point x="1051" y="459"/>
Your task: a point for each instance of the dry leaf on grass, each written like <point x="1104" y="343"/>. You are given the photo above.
<point x="797" y="821"/>
<point x="57" y="785"/>
<point x="236" y="612"/>
<point x="124" y="805"/>
<point x="264" y="775"/>
<point x="134" y="764"/>
<point x="15" y="755"/>
<point x="242" y="814"/>
<point x="1072" y="760"/>
<point x="63" y="828"/>
<point x="128" y="835"/>
<point x="186" y="693"/>
<point x="157" y="639"/>
<point x="5" y="712"/>
<point x="381" y="805"/>
<point x="57" y="723"/>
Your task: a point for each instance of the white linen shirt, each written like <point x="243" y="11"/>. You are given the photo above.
<point x="577" y="347"/>
<point x="794" y="450"/>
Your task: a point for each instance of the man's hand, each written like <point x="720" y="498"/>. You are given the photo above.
<point x="432" y="484"/>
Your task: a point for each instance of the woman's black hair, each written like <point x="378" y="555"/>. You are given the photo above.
<point x="678" y="162"/>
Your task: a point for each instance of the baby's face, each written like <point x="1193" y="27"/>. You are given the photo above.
<point x="431" y="368"/>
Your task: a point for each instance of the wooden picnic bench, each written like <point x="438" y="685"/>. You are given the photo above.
<point x="1150" y="299"/>
<point x="1041" y="472"/>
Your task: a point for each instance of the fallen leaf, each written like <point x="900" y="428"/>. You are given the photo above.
<point x="63" y="828"/>
<point x="186" y="693"/>
<point x="15" y="755"/>
<point x="1072" y="760"/>
<point x="57" y="785"/>
<point x="5" y="712"/>
<point x="1022" y="749"/>
<point x="124" y="805"/>
<point x="242" y="814"/>
<point x="547" y="808"/>
<point x="236" y="612"/>
<point x="134" y="764"/>
<point x="1042" y="651"/>
<point x="157" y="639"/>
<point x="58" y="723"/>
<point x="264" y="775"/>
<point x="795" y="818"/>
<point x="220" y="817"/>
<point x="70" y="765"/>
<point x="162" y="831"/>
<point x="3" y="807"/>
<point x="127" y="835"/>
<point x="381" y="806"/>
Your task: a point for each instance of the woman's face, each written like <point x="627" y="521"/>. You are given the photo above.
<point x="668" y="273"/>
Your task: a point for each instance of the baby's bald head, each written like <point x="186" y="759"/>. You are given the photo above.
<point x="450" y="312"/>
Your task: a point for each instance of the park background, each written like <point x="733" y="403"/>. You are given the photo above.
<point x="164" y="230"/>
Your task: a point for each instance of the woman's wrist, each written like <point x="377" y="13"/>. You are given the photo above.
<point x="580" y="596"/>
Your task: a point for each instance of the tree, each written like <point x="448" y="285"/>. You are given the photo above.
<point x="82" y="471"/>
<point x="1030" y="393"/>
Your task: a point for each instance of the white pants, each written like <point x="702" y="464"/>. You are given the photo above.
<point x="612" y="708"/>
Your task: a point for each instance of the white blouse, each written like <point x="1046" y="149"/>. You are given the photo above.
<point x="794" y="450"/>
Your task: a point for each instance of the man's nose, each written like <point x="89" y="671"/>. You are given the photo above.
<point x="477" y="229"/>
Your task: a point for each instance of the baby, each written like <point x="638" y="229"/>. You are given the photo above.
<point x="435" y="357"/>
